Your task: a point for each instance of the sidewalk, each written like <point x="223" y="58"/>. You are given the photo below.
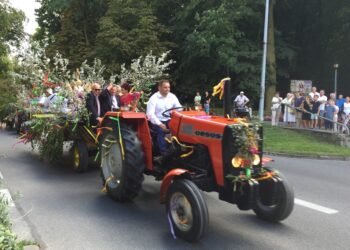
<point x="20" y="225"/>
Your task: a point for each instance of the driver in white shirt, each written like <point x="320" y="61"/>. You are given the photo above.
<point x="157" y="104"/>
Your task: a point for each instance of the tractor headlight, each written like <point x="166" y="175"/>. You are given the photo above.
<point x="237" y="161"/>
<point x="256" y="160"/>
<point x="240" y="161"/>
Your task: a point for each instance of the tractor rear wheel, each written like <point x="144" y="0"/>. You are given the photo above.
<point x="80" y="156"/>
<point x="187" y="210"/>
<point x="122" y="162"/>
<point x="282" y="207"/>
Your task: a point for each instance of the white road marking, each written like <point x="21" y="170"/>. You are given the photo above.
<point x="1" y="176"/>
<point x="314" y="206"/>
<point x="5" y="194"/>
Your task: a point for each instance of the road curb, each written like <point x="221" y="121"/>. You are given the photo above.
<point x="19" y="224"/>
<point x="316" y="157"/>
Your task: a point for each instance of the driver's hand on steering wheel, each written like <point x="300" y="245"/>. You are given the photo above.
<point x="163" y="126"/>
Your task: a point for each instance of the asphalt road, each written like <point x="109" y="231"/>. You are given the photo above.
<point x="66" y="210"/>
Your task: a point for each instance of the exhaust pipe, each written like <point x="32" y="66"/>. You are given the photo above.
<point x="227" y="98"/>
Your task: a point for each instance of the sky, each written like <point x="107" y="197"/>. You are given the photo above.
<point x="28" y="7"/>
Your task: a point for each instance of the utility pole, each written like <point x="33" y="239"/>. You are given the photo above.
<point x="263" y="67"/>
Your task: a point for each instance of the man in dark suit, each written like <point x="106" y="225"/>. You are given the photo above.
<point x="93" y="104"/>
<point x="109" y="99"/>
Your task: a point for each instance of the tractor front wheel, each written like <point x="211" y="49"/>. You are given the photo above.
<point x="283" y="205"/>
<point x="186" y="210"/>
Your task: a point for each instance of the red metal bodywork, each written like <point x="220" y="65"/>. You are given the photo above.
<point x="167" y="180"/>
<point x="143" y="132"/>
<point x="196" y="128"/>
<point x="192" y="127"/>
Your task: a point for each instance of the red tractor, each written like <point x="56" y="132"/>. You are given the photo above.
<point x="210" y="153"/>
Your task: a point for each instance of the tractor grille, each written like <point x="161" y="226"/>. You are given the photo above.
<point x="229" y="151"/>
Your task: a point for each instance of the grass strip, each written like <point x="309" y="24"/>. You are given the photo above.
<point x="279" y="140"/>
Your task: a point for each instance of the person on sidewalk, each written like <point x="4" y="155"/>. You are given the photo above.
<point x="275" y="109"/>
<point x="289" y="114"/>
<point x="329" y="114"/>
<point x="346" y="113"/>
<point x="306" y="107"/>
<point x="323" y="100"/>
<point x="299" y="98"/>
<point x="241" y="100"/>
<point x="315" y="111"/>
<point x="206" y="102"/>
<point x="313" y="92"/>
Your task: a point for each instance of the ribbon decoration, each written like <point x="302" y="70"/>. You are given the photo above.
<point x="91" y="134"/>
<point x="110" y="178"/>
<point x="47" y="83"/>
<point x="184" y="155"/>
<point x="43" y="116"/>
<point x="119" y="133"/>
<point x="219" y="88"/>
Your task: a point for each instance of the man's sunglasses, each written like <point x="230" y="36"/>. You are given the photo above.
<point x="97" y="89"/>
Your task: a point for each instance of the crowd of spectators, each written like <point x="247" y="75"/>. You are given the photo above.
<point x="314" y="110"/>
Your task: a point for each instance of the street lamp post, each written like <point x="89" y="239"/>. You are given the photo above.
<point x="336" y="66"/>
<point x="263" y="66"/>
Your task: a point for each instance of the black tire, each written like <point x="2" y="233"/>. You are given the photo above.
<point x="122" y="178"/>
<point x="196" y="213"/>
<point x="283" y="207"/>
<point x="80" y="156"/>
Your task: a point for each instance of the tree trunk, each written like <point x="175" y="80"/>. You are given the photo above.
<point x="271" y="59"/>
<point x="84" y="7"/>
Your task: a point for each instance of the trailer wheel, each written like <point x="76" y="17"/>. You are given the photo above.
<point x="122" y="165"/>
<point x="283" y="206"/>
<point x="187" y="210"/>
<point x="80" y="156"/>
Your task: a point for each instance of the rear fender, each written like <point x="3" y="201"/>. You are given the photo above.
<point x="138" y="121"/>
<point x="168" y="178"/>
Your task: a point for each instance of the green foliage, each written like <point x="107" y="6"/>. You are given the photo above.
<point x="47" y="136"/>
<point x="94" y="73"/>
<point x="7" y="98"/>
<point x="11" y="33"/>
<point x="144" y="72"/>
<point x="218" y="39"/>
<point x="317" y="31"/>
<point x="8" y="239"/>
<point x="128" y="30"/>
<point x="209" y="39"/>
<point x="70" y="27"/>
<point x="11" y="29"/>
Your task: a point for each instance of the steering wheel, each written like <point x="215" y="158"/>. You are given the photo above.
<point x="168" y="110"/>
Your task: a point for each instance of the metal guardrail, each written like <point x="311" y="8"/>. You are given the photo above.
<point x="320" y="117"/>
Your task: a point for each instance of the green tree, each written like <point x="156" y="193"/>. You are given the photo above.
<point x="222" y="39"/>
<point x="128" y="30"/>
<point x="49" y="20"/>
<point x="70" y="27"/>
<point x="11" y="34"/>
<point x="317" y="32"/>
